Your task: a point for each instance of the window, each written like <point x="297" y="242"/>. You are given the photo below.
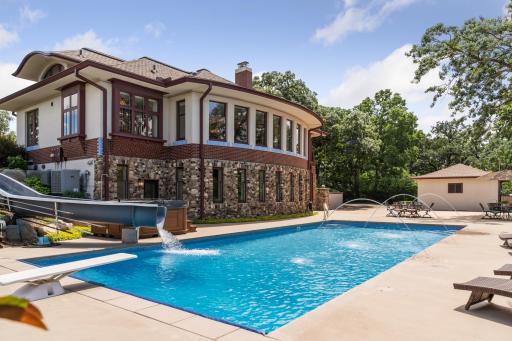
<point x="53" y="70"/>
<point x="241" y="124"/>
<point x="218" y="184"/>
<point x="180" y="120"/>
<point x="279" y="187"/>
<point x="301" y="189"/>
<point x="455" y="188"/>
<point x="32" y="118"/>
<point x="289" y="138"/>
<point x="277" y="132"/>
<point x="305" y="141"/>
<point x="72" y="107"/>
<point x="292" y="187"/>
<point x="261" y="128"/>
<point x="262" y="185"/>
<point x="179" y="183"/>
<point x="217" y="121"/>
<point x="298" y="128"/>
<point x="122" y="182"/>
<point x="150" y="189"/>
<point x="242" y="185"/>
<point x="139" y="110"/>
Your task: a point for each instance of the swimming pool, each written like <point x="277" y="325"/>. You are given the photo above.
<point x="262" y="280"/>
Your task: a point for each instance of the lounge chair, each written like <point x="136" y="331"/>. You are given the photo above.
<point x="488" y="213"/>
<point x="506" y="237"/>
<point x="44" y="282"/>
<point x="427" y="211"/>
<point x="505" y="270"/>
<point x="484" y="289"/>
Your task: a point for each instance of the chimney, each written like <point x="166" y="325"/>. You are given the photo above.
<point x="243" y="75"/>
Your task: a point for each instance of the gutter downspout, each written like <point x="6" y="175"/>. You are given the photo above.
<point x="201" y="151"/>
<point x="104" y="175"/>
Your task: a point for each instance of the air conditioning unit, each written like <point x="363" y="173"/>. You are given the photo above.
<point x="66" y="180"/>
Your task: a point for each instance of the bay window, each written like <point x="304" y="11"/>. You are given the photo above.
<point x="138" y="110"/>
<point x="241" y="124"/>
<point x="217" y="119"/>
<point x="72" y="103"/>
<point x="277" y="132"/>
<point x="261" y="128"/>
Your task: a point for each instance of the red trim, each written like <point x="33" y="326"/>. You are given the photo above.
<point x="138" y="137"/>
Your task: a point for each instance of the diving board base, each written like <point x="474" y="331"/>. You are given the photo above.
<point x="34" y="291"/>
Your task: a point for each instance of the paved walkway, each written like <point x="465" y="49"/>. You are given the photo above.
<point x="413" y="300"/>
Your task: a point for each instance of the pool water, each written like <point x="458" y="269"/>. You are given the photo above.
<point x="262" y="280"/>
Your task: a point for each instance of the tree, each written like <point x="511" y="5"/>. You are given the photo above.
<point x="5" y="119"/>
<point x="397" y="130"/>
<point x="285" y="85"/>
<point x="8" y="146"/>
<point x="474" y="65"/>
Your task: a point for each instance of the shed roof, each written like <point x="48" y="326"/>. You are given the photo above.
<point x="456" y="171"/>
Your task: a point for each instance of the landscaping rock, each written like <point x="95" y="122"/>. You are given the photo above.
<point x="63" y="226"/>
<point x="27" y="232"/>
<point x="16" y="174"/>
<point x="12" y="234"/>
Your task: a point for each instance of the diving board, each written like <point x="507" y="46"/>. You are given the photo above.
<point x="45" y="282"/>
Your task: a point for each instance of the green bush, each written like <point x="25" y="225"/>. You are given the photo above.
<point x="35" y="183"/>
<point x="215" y="220"/>
<point x="58" y="236"/>
<point x="8" y="147"/>
<point x="71" y="194"/>
<point x="16" y="162"/>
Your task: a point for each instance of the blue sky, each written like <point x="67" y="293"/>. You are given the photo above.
<point x="344" y="50"/>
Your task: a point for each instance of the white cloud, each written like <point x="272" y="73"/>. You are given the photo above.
<point x="87" y="39"/>
<point x="394" y="72"/>
<point x="7" y="37"/>
<point x="10" y="84"/>
<point x="155" y="28"/>
<point x="30" y="15"/>
<point x="358" y="19"/>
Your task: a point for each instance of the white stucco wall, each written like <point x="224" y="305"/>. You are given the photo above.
<point x="475" y="191"/>
<point x="86" y="167"/>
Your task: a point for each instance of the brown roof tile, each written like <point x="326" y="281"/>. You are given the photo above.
<point x="456" y="171"/>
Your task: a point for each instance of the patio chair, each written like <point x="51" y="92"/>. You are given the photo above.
<point x="392" y="210"/>
<point x="491" y="213"/>
<point x="505" y="270"/>
<point x="45" y="282"/>
<point x="506" y="237"/>
<point x="484" y="289"/>
<point x="427" y="211"/>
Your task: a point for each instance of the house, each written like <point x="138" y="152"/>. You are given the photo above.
<point x="143" y="129"/>
<point x="458" y="187"/>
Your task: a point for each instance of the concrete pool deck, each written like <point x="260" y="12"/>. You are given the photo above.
<point x="413" y="300"/>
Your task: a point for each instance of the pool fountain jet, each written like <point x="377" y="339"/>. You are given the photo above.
<point x="169" y="241"/>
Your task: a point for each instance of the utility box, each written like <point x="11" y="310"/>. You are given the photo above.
<point x="65" y="180"/>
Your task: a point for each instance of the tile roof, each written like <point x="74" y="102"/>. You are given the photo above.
<point x="144" y="66"/>
<point x="456" y="171"/>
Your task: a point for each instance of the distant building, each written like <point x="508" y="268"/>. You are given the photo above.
<point x="458" y="187"/>
<point x="142" y="129"/>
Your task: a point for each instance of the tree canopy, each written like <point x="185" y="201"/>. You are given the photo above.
<point x="474" y="66"/>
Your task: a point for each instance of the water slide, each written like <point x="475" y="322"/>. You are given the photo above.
<point x="27" y="202"/>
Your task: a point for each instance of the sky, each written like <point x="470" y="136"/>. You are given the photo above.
<point x="345" y="50"/>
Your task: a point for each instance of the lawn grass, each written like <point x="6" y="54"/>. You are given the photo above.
<point x="216" y="220"/>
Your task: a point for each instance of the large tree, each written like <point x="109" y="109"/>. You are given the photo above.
<point x="8" y="145"/>
<point x="287" y="86"/>
<point x="474" y="66"/>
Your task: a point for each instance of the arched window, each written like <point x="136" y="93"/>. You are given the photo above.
<point x="53" y="70"/>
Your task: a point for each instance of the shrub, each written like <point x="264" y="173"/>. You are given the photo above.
<point x="58" y="236"/>
<point x="16" y="162"/>
<point x="8" y="147"/>
<point x="35" y="183"/>
<point x="215" y="220"/>
<point x="71" y="194"/>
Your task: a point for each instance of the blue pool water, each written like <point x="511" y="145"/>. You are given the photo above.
<point x="263" y="280"/>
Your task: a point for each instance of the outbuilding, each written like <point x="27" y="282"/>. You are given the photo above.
<point x="458" y="187"/>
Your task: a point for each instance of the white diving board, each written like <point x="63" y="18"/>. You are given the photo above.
<point x="44" y="282"/>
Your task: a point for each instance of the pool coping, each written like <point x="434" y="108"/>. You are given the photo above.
<point x="241" y="233"/>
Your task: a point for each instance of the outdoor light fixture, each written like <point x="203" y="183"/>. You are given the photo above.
<point x="141" y="182"/>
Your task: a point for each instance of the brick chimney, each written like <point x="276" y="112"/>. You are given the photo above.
<point x="243" y="75"/>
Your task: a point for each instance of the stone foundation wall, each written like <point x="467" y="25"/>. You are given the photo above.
<point x="165" y="172"/>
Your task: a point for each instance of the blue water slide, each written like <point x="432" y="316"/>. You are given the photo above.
<point x="21" y="199"/>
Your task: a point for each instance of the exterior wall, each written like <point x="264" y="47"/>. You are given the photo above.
<point x="475" y="191"/>
<point x="165" y="172"/>
<point x="86" y="167"/>
<point x="49" y="123"/>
